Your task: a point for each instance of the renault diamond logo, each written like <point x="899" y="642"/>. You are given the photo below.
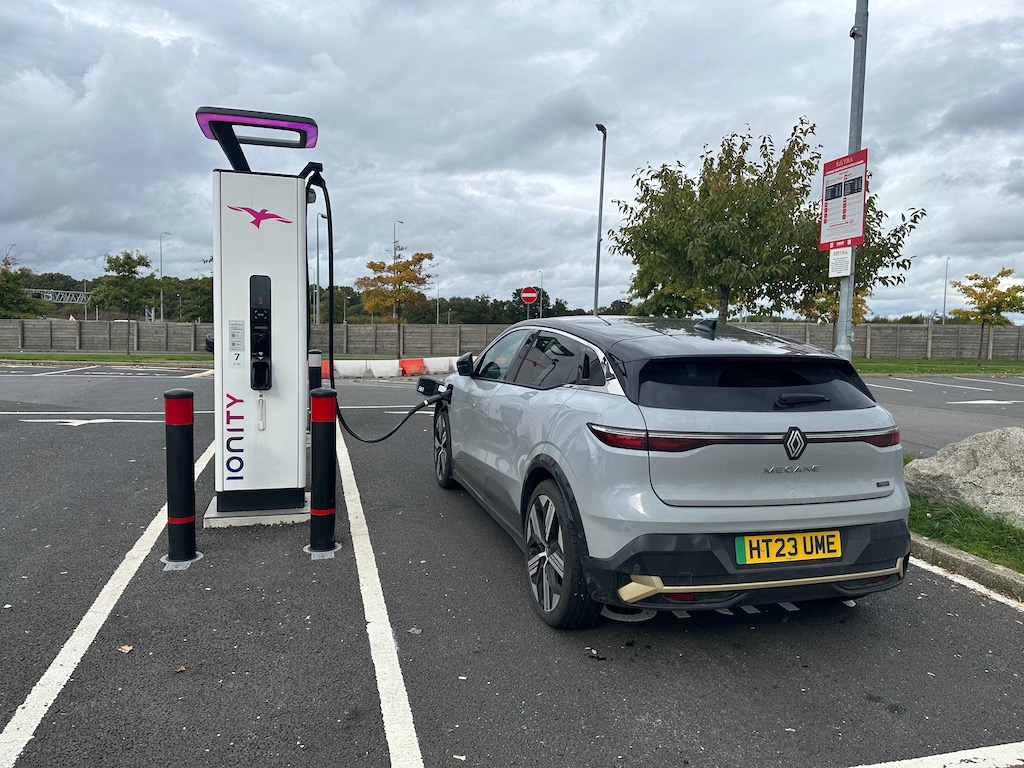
<point x="794" y="443"/>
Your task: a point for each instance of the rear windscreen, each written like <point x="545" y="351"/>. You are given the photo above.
<point x="752" y="384"/>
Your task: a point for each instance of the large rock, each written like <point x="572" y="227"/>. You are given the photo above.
<point x="985" y="470"/>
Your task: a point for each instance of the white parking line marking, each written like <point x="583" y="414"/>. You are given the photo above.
<point x="749" y="609"/>
<point x="989" y="381"/>
<point x="984" y="402"/>
<point x="26" y="719"/>
<point x="972" y="585"/>
<point x="399" y="728"/>
<point x="65" y="370"/>
<point x="941" y="384"/>
<point x="789" y="607"/>
<point x="1002" y="756"/>
<point x="897" y="389"/>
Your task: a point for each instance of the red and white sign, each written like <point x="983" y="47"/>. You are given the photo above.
<point x="528" y="294"/>
<point x="843" y="197"/>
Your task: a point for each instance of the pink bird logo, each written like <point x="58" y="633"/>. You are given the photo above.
<point x="258" y="217"/>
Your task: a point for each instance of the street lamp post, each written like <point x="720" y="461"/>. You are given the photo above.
<point x="945" y="284"/>
<point x="317" y="292"/>
<point x="600" y="212"/>
<point x="162" y="274"/>
<point x="437" y="314"/>
<point x="394" y="257"/>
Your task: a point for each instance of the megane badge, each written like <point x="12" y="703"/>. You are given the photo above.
<point x="794" y="443"/>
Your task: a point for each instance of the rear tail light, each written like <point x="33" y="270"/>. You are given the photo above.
<point x="641" y="440"/>
<point x="668" y="442"/>
<point x="885" y="439"/>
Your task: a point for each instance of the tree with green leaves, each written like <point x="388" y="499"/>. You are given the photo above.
<point x="744" y="232"/>
<point x="124" y="289"/>
<point x="15" y="302"/>
<point x="989" y="302"/>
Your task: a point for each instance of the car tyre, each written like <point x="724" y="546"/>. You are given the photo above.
<point x="443" y="450"/>
<point x="553" y="567"/>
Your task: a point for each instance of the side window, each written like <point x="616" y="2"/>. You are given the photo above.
<point x="550" y="361"/>
<point x="496" y="361"/>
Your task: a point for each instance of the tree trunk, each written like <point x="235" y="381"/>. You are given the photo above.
<point x="981" y="341"/>
<point x="723" y="303"/>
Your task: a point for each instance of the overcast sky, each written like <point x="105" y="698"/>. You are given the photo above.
<point x="473" y="123"/>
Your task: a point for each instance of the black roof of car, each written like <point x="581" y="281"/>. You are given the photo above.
<point x="640" y="338"/>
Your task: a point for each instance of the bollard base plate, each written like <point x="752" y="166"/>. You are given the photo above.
<point x="215" y="518"/>
<point x="324" y="555"/>
<point x="179" y="565"/>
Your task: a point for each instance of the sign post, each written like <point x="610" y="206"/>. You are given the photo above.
<point x="843" y="203"/>
<point x="528" y="295"/>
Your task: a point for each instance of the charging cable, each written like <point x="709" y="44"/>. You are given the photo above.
<point x="316" y="180"/>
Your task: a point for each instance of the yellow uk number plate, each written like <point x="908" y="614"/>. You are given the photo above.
<point x="788" y="547"/>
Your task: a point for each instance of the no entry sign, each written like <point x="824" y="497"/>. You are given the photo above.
<point x="528" y="294"/>
<point x="843" y="193"/>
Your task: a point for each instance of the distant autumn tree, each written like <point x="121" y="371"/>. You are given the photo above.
<point x="823" y="306"/>
<point x="393" y="283"/>
<point x="988" y="301"/>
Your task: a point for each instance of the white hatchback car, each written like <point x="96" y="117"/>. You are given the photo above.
<point x="672" y="464"/>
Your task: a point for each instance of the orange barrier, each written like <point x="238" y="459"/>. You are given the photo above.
<point x="325" y="370"/>
<point x="412" y="367"/>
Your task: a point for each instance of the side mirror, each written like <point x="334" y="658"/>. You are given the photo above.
<point x="464" y="365"/>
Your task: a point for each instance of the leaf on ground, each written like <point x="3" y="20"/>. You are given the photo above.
<point x="179" y="669"/>
<point x="125" y="648"/>
<point x="415" y="631"/>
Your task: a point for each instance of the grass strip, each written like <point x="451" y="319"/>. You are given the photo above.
<point x="956" y="367"/>
<point x="969" y="529"/>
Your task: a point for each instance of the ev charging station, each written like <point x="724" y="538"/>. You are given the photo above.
<point x="260" y="318"/>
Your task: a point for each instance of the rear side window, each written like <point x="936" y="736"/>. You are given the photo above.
<point x="550" y="361"/>
<point x="752" y="384"/>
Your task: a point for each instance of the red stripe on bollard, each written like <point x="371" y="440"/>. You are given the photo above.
<point x="330" y="511"/>
<point x="181" y="520"/>
<point x="177" y="411"/>
<point x="323" y="408"/>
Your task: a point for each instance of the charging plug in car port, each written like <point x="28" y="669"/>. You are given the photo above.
<point x="432" y="388"/>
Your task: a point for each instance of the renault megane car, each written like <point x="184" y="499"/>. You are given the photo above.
<point x="671" y="464"/>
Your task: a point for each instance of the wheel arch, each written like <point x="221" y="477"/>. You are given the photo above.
<point x="544" y="467"/>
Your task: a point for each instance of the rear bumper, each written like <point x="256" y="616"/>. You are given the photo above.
<point x="699" y="571"/>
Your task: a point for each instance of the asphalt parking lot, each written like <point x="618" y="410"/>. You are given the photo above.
<point x="415" y="644"/>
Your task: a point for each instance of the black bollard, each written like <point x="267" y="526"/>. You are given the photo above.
<point x="323" y="469"/>
<point x="181" y="487"/>
<point x="315" y="362"/>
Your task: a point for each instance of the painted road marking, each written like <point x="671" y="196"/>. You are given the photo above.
<point x="897" y="389"/>
<point x="984" y="402"/>
<point x="940" y="384"/>
<point x="399" y="728"/>
<point x="65" y="370"/>
<point x="30" y="714"/>
<point x="82" y="422"/>
<point x="1002" y="756"/>
<point x="989" y="381"/>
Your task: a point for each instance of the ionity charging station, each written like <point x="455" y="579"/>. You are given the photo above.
<point x="260" y="318"/>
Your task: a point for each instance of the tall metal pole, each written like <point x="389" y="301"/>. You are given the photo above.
<point x="600" y="212"/>
<point x="162" y="274"/>
<point x="541" y="297"/>
<point x="859" y="33"/>
<point x="945" y="285"/>
<point x="394" y="257"/>
<point x="324" y="217"/>
<point x="437" y="318"/>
